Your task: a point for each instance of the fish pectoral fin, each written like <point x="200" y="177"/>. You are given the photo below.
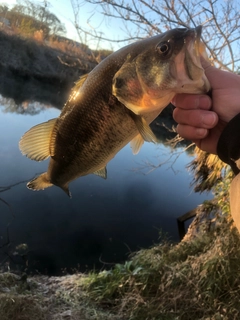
<point x="101" y="173"/>
<point x="37" y="142"/>
<point x="143" y="128"/>
<point x="136" y="143"/>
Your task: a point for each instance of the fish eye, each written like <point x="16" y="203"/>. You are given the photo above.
<point x="163" y="48"/>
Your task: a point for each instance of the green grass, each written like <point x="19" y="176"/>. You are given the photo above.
<point x="196" y="279"/>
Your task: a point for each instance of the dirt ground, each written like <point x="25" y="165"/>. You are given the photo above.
<point x="47" y="298"/>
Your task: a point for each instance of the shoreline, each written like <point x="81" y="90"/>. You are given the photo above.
<point x="37" y="72"/>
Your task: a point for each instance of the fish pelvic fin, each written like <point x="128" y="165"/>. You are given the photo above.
<point x="39" y="183"/>
<point x="101" y="173"/>
<point x="136" y="144"/>
<point x="143" y="128"/>
<point x="38" y="142"/>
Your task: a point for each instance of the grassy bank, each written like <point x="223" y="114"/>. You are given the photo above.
<point x="195" y="279"/>
<point x="39" y="72"/>
<point x="44" y="298"/>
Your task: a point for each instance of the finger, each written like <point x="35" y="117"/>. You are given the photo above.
<point x="209" y="144"/>
<point x="190" y="101"/>
<point x="191" y="133"/>
<point x="195" y="118"/>
<point x="204" y="145"/>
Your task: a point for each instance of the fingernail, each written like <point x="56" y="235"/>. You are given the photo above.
<point x="209" y="119"/>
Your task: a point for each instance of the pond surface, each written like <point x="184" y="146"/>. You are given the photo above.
<point x="105" y="220"/>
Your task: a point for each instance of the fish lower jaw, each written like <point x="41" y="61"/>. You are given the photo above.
<point x="194" y="87"/>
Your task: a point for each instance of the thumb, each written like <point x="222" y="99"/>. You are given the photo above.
<point x="215" y="76"/>
<point x="205" y="63"/>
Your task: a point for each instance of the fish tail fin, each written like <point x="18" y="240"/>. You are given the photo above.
<point x="42" y="182"/>
<point x="39" y="183"/>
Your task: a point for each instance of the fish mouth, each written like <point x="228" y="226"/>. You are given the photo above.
<point x="197" y="36"/>
<point x="187" y="67"/>
<point x="194" y="50"/>
<point x="193" y="39"/>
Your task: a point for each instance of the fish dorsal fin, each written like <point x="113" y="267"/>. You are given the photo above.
<point x="37" y="143"/>
<point x="75" y="92"/>
<point x="101" y="173"/>
<point x="136" y="144"/>
<point x="143" y="128"/>
<point x="80" y="81"/>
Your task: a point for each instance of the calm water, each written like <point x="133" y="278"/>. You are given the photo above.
<point x="103" y="222"/>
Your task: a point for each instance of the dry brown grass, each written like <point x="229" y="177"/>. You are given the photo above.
<point x="21" y="307"/>
<point x="196" y="279"/>
<point x="44" y="298"/>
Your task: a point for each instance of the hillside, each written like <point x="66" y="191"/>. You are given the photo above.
<point x="33" y="71"/>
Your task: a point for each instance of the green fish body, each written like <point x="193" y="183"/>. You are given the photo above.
<point x="114" y="105"/>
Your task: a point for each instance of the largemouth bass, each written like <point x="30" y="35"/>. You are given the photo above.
<point x="113" y="105"/>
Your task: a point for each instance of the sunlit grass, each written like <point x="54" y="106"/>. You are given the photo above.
<point x="196" y="279"/>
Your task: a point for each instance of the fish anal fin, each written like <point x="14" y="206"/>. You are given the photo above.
<point x="66" y="190"/>
<point x="37" y="142"/>
<point x="39" y="183"/>
<point x="101" y="173"/>
<point x="143" y="128"/>
<point x="136" y="143"/>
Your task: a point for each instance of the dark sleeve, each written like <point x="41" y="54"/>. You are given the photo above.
<point x="228" y="148"/>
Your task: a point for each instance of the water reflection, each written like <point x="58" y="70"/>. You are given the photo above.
<point x="103" y="222"/>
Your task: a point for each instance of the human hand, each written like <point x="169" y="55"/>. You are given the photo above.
<point x="201" y="118"/>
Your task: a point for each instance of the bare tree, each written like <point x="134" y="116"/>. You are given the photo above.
<point x="143" y="18"/>
<point x="26" y="13"/>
